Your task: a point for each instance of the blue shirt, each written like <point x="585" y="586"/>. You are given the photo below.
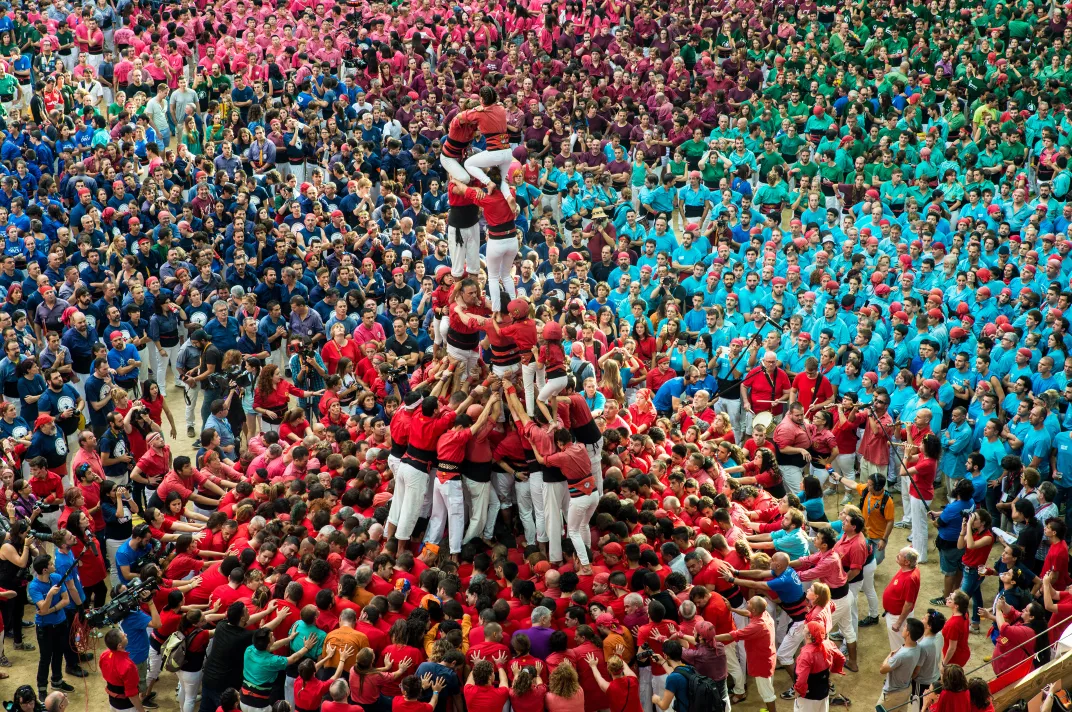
<point x="126" y="556"/>
<point x="37" y="591"/>
<point x="1062" y="444"/>
<point x="679" y="685"/>
<point x="792" y="542"/>
<point x="950" y="518"/>
<point x="664" y="398"/>
<point x="787" y="585"/>
<point x="136" y="627"/>
<point x="1037" y="444"/>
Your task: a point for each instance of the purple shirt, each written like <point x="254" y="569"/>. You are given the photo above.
<point x="541" y="640"/>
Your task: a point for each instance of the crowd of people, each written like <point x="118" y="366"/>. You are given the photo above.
<point x="559" y="355"/>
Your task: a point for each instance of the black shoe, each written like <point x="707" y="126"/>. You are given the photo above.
<point x="42" y="693"/>
<point x="149" y="698"/>
<point x="28" y="624"/>
<point x="86" y="657"/>
<point x="869" y="621"/>
<point x="63" y="685"/>
<point x="76" y="672"/>
<point x="149" y="704"/>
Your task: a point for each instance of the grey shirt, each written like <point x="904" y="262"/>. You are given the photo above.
<point x="180" y="99"/>
<point x="929" y="655"/>
<point x="902" y="666"/>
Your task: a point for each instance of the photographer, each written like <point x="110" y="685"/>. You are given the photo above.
<point x="50" y="599"/>
<point x="115" y="454"/>
<point x="14" y="558"/>
<point x="118" y="508"/>
<point x="131" y="554"/>
<point x="949" y="521"/>
<point x="308" y="371"/>
<point x="210" y="363"/>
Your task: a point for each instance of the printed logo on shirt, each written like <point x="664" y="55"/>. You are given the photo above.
<point x="119" y="450"/>
<point x="65" y="403"/>
<point x="91" y="321"/>
<point x="19" y="432"/>
<point x="61" y="444"/>
<point x="199" y="318"/>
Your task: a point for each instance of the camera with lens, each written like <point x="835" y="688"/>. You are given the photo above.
<point x="644" y="653"/>
<point x="123" y="604"/>
<point x="398" y="373"/>
<point x="965" y="515"/>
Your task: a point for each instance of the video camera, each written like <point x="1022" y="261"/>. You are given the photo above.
<point x="122" y="605"/>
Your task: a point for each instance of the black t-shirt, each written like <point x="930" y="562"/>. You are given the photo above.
<point x="401" y="348"/>
<point x="211" y="356"/>
<point x="404" y="293"/>
<point x="223" y="666"/>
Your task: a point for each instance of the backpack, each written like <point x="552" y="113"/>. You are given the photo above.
<point x="704" y="693"/>
<point x="173" y="651"/>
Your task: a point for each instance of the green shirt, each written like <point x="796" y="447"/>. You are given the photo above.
<point x="260" y="668"/>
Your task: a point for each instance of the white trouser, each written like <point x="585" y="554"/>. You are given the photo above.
<point x="919" y="527"/>
<point x="578" y="517"/>
<point x="733" y="667"/>
<point x="95" y="61"/>
<point x="156" y="664"/>
<point x="503" y="158"/>
<point x="794" y="638"/>
<point x="110" y="547"/>
<point x="906" y="504"/>
<point x="502" y="371"/>
<point x="555" y="503"/>
<point x="468" y="361"/>
<point x="80" y="387"/>
<point x="504" y="485"/>
<point x="793" y="477"/>
<point x="734" y="411"/>
<point x="500" y="261"/>
<point x="841" y="619"/>
<point x="454" y="169"/>
<point x="482" y="499"/>
<point x="595" y="456"/>
<point x="399" y="493"/>
<point x="801" y="704"/>
<point x="531" y="376"/>
<point x="279" y="358"/>
<point x="896" y="641"/>
<point x="162" y="363"/>
<point x="189" y="688"/>
<point x="742" y="656"/>
<point x="448" y="510"/>
<point x="288" y="689"/>
<point x="868" y="586"/>
<point x="845" y="465"/>
<point x="552" y="388"/>
<point x="464" y="257"/>
<point x="416" y="484"/>
<point x="530" y="508"/>
<point x="193" y="395"/>
<point x="439" y="329"/>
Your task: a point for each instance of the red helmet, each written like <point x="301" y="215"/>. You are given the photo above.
<point x="441" y="272"/>
<point x="552" y="331"/>
<point x="518" y="308"/>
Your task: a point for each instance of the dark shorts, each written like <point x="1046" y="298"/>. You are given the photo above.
<point x="949" y="560"/>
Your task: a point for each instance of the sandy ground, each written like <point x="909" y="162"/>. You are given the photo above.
<point x="862" y="688"/>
